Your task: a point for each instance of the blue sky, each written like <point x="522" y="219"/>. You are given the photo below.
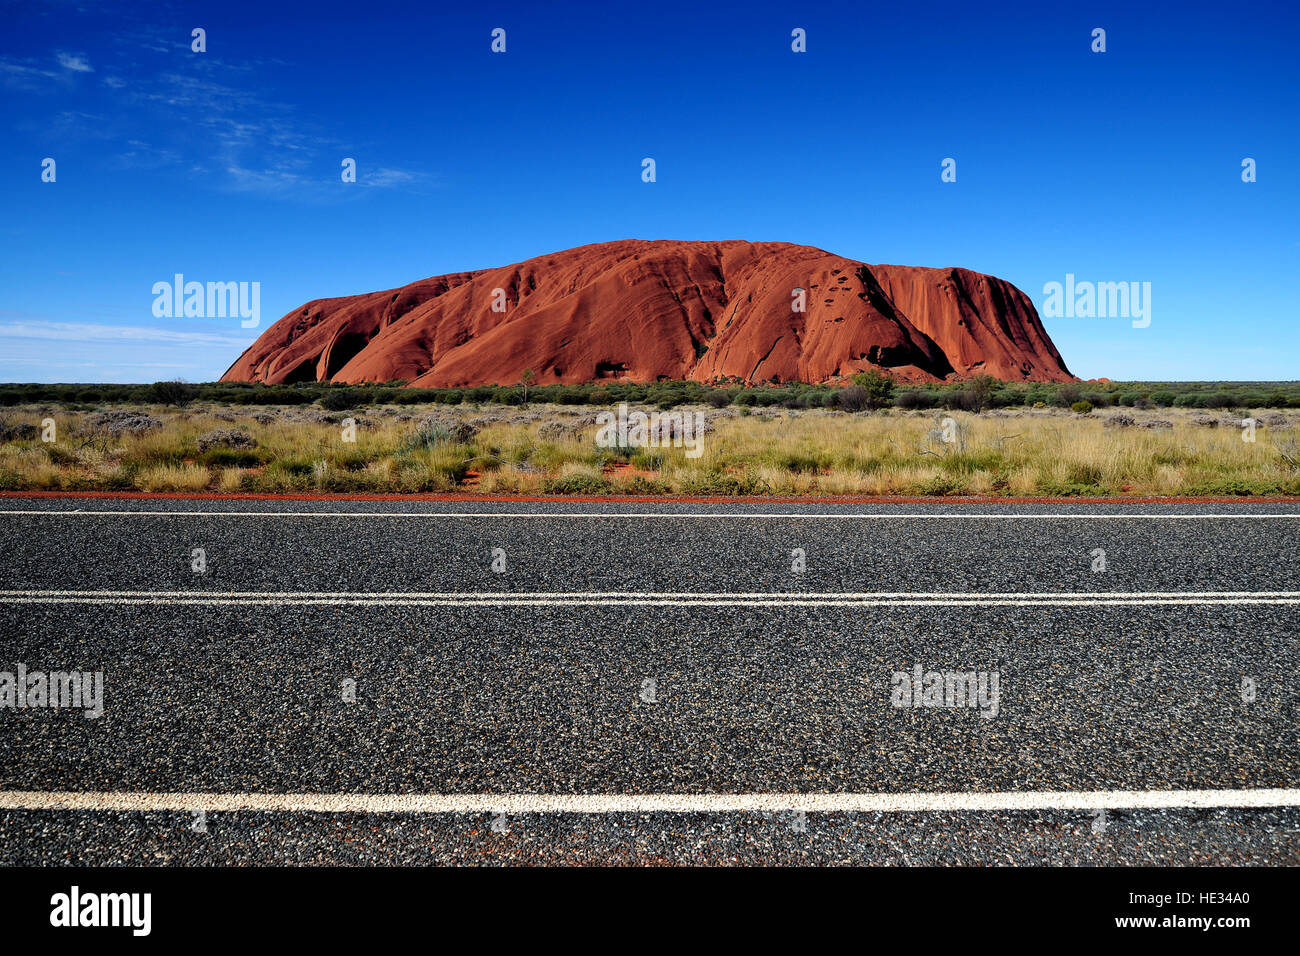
<point x="225" y="165"/>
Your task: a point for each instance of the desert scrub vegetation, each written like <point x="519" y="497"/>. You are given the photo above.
<point x="745" y="450"/>
<point x="863" y="391"/>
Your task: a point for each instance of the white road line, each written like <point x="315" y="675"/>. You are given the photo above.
<point x="651" y="598"/>
<point x="358" y="602"/>
<point x="648" y="803"/>
<point x="1084" y="595"/>
<point x="744" y="516"/>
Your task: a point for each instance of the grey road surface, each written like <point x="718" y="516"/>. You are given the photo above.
<point x="486" y="662"/>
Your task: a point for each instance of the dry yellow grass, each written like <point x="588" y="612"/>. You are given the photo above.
<point x="231" y="480"/>
<point x="174" y="478"/>
<point x="553" y="450"/>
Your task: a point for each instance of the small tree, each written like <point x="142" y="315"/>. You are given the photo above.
<point x="526" y="379"/>
<point x="175" y="392"/>
<point x="338" y="399"/>
<point x="979" y="392"/>
<point x="878" y="386"/>
<point x="855" y="398"/>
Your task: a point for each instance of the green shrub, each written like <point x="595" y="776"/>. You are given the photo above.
<point x="803" y="462"/>
<point x="724" y="483"/>
<point x="175" y="392"/>
<point x="576" y="485"/>
<point x="1081" y="408"/>
<point x="855" y="398"/>
<point x="1065" y="489"/>
<point x="432" y="434"/>
<point x="977" y="394"/>
<point x="339" y="399"/>
<point x="230" y="458"/>
<point x="878" y="386"/>
<point x="291" y="467"/>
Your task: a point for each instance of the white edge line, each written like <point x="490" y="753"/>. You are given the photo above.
<point x="640" y="595"/>
<point x="641" y="602"/>
<point x="647" y="803"/>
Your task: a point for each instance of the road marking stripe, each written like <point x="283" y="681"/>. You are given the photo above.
<point x="614" y="514"/>
<point x="656" y="594"/>
<point x="648" y="803"/>
<point x="650" y="598"/>
<point x="357" y="602"/>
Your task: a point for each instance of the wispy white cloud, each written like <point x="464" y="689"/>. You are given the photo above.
<point x="77" y="63"/>
<point x="142" y="155"/>
<point x="40" y="350"/>
<point x="213" y="119"/>
<point x="99" y="332"/>
<point x="386" y="176"/>
<point x="24" y="74"/>
<point x="19" y="68"/>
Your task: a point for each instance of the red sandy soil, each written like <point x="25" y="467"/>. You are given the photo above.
<point x="623" y="469"/>
<point x="647" y="311"/>
<point x="653" y="499"/>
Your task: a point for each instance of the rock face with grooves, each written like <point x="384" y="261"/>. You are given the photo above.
<point x="647" y="311"/>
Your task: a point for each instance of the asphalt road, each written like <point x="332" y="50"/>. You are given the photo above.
<point x="429" y="708"/>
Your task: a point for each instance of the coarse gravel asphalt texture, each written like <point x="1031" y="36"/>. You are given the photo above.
<point x="615" y="698"/>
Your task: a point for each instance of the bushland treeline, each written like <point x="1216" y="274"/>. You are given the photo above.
<point x="869" y="390"/>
